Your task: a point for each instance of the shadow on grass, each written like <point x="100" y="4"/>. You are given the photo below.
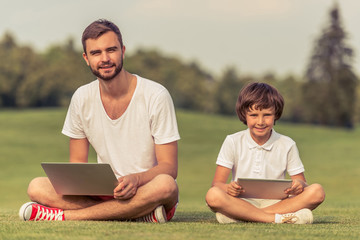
<point x="189" y="217"/>
<point x="195" y="216"/>
<point x="209" y="217"/>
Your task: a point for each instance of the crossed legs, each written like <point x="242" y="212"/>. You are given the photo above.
<point x="237" y="208"/>
<point x="162" y="190"/>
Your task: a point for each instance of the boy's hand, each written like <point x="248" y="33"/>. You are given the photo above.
<point x="297" y="187"/>
<point x="234" y="189"/>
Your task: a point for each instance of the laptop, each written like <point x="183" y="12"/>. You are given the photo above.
<point x="264" y="188"/>
<point x="91" y="179"/>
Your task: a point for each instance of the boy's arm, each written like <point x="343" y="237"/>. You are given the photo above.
<point x="220" y="179"/>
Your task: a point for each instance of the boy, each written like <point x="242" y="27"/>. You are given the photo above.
<point x="260" y="152"/>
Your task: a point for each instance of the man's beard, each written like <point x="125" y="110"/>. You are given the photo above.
<point x="110" y="77"/>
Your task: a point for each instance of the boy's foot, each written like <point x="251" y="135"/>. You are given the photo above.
<point x="303" y="216"/>
<point x="157" y="216"/>
<point x="33" y="211"/>
<point x="221" y="218"/>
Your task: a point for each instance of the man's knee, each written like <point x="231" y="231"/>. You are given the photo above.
<point x="166" y="186"/>
<point x="37" y="187"/>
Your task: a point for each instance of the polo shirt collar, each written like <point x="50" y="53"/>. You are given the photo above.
<point x="267" y="146"/>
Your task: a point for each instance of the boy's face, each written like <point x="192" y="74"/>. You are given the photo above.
<point x="260" y="123"/>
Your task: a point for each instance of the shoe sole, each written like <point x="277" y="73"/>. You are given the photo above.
<point x="312" y="217"/>
<point x="160" y="214"/>
<point x="23" y="210"/>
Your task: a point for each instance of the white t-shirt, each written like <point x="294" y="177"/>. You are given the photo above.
<point x="127" y="143"/>
<point x="272" y="160"/>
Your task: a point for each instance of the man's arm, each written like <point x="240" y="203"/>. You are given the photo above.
<point x="79" y="150"/>
<point x="167" y="158"/>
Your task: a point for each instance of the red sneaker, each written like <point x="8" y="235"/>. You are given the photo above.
<point x="33" y="211"/>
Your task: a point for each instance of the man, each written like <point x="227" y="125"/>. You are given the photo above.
<point x="130" y="121"/>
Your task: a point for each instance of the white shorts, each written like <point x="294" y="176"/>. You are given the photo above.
<point x="261" y="203"/>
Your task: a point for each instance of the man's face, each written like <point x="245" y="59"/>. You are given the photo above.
<point x="104" y="56"/>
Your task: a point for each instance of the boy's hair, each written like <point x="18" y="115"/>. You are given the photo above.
<point x="259" y="96"/>
<point x="98" y="28"/>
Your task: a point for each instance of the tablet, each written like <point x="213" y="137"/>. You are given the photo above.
<point x="264" y="188"/>
<point x="91" y="179"/>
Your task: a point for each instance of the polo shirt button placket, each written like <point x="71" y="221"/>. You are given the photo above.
<point x="257" y="167"/>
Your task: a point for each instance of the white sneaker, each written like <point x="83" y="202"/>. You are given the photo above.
<point x="303" y="216"/>
<point x="156" y="216"/>
<point x="221" y="218"/>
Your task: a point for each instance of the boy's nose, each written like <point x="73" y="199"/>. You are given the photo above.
<point x="260" y="120"/>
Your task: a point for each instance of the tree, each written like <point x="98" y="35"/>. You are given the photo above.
<point x="228" y="91"/>
<point x="190" y="86"/>
<point x="330" y="90"/>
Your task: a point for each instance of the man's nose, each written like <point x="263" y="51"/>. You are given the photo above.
<point x="105" y="57"/>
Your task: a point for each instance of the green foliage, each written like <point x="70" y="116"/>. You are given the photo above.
<point x="330" y="95"/>
<point x="330" y="156"/>
<point x="227" y="91"/>
<point x="330" y="91"/>
<point x="190" y="87"/>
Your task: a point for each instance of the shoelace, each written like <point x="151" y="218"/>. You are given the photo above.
<point x="148" y="218"/>
<point x="47" y="214"/>
<point x="289" y="218"/>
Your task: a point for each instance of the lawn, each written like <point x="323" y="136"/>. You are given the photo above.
<point x="330" y="156"/>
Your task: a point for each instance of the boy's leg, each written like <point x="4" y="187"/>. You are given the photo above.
<point x="236" y="208"/>
<point x="162" y="190"/>
<point x="312" y="196"/>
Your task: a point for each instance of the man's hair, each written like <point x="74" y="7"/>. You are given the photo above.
<point x="259" y="96"/>
<point x="98" y="28"/>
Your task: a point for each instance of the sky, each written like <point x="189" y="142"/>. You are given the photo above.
<point x="254" y="36"/>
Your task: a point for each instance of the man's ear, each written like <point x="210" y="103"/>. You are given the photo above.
<point x="123" y="51"/>
<point x="86" y="59"/>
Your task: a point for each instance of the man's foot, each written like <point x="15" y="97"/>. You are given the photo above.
<point x="157" y="216"/>
<point x="221" y="218"/>
<point x="303" y="216"/>
<point x="33" y="211"/>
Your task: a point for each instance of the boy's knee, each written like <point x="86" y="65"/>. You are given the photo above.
<point x="213" y="197"/>
<point x="317" y="193"/>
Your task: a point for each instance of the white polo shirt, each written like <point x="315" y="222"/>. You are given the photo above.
<point x="272" y="160"/>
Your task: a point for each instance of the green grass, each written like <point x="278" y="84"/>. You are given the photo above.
<point x="330" y="156"/>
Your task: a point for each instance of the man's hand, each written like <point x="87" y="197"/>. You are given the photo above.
<point x="297" y="187"/>
<point x="234" y="189"/>
<point x="127" y="187"/>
